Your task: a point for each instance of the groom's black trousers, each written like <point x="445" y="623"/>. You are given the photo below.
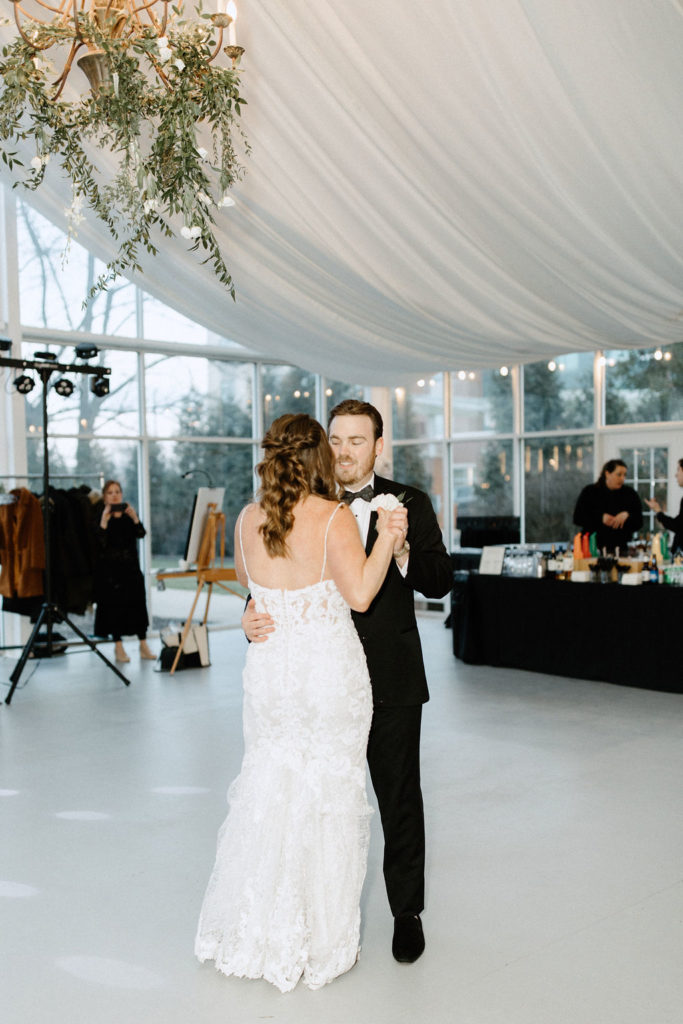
<point x="394" y="762"/>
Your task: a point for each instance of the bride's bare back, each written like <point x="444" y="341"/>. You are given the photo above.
<point x="305" y="543"/>
<point x="357" y="578"/>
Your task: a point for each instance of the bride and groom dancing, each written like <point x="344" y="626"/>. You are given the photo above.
<point x="334" y="674"/>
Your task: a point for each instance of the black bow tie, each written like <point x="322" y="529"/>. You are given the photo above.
<point x="367" y="494"/>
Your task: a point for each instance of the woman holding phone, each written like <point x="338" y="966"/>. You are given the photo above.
<point x="119" y="583"/>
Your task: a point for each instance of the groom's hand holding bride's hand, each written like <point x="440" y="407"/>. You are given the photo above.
<point x="256" y="625"/>
<point x="396" y="522"/>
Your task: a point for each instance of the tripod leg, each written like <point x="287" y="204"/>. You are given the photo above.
<point x="93" y="647"/>
<point x="19" y="667"/>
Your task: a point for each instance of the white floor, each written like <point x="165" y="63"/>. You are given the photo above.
<point x="555" y="868"/>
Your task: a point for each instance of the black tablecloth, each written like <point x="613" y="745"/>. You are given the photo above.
<point x="606" y="632"/>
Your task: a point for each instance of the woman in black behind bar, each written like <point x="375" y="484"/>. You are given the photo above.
<point x="609" y="508"/>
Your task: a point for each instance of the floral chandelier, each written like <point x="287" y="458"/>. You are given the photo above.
<point x="157" y="87"/>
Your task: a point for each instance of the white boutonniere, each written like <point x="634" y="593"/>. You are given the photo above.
<point x="388" y="502"/>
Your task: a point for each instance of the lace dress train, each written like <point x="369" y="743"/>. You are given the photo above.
<point x="283" y="900"/>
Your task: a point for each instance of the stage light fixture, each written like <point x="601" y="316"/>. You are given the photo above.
<point x="99" y="386"/>
<point x="45" y="357"/>
<point x="64" y="387"/>
<point x="85" y="350"/>
<point x="24" y="384"/>
<point x="5" y="344"/>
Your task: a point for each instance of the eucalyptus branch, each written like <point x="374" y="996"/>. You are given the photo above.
<point x="147" y="112"/>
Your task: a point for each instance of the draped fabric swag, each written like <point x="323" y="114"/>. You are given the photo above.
<point x="456" y="184"/>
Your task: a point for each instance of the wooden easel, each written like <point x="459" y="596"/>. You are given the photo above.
<point x="207" y="572"/>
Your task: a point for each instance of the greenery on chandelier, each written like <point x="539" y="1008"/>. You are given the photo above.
<point x="157" y="93"/>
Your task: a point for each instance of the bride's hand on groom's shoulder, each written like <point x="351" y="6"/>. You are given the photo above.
<point x="256" y="625"/>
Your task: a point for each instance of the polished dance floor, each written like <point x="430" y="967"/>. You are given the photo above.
<point x="555" y="851"/>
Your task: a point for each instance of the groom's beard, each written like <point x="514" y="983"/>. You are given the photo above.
<point x="351" y="473"/>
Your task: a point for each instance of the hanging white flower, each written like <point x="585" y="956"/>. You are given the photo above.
<point x="73" y="213"/>
<point x="150" y="205"/>
<point x="180" y="64"/>
<point x="165" y="52"/>
<point x="36" y="163"/>
<point x="203" y="153"/>
<point x="227" y="200"/>
<point x="193" y="232"/>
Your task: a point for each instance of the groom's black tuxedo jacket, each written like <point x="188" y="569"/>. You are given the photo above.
<point x="388" y="629"/>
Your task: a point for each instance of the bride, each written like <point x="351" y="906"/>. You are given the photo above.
<point x="283" y="899"/>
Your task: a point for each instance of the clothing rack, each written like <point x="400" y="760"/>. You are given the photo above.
<point x="53" y="476"/>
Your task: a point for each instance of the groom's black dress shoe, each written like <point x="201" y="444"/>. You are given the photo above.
<point x="409" y="940"/>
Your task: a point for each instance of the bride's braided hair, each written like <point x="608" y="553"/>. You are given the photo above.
<point x="297" y="461"/>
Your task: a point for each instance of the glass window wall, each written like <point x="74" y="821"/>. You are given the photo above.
<point x="482" y="478"/>
<point x="422" y="466"/>
<point x="187" y="396"/>
<point x="84" y="461"/>
<point x="286" y="389"/>
<point x="556" y="469"/>
<point x="417" y="411"/>
<point x="51" y="298"/>
<point x="558" y="393"/>
<point x="644" y="385"/>
<point x="172" y="494"/>
<point x="481" y="401"/>
<point x="647" y="472"/>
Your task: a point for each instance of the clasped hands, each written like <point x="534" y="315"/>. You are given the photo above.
<point x="615" y="522"/>
<point x="396" y="522"/>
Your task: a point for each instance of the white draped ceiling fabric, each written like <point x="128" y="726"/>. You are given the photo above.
<point x="455" y="184"/>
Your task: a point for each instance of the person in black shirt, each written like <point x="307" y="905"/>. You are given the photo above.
<point x="674" y="523"/>
<point x="609" y="508"/>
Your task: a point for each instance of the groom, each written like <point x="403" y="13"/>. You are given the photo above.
<point x="388" y="632"/>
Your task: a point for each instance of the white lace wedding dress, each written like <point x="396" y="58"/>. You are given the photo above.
<point x="283" y="900"/>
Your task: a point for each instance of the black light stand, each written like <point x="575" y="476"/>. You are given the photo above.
<point x="50" y="614"/>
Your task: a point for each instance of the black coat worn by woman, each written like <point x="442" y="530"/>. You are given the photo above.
<point x="119" y="583"/>
<point x="674" y="523"/>
<point x="598" y="499"/>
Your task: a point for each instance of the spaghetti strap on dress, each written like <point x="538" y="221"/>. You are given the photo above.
<point x="283" y="901"/>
